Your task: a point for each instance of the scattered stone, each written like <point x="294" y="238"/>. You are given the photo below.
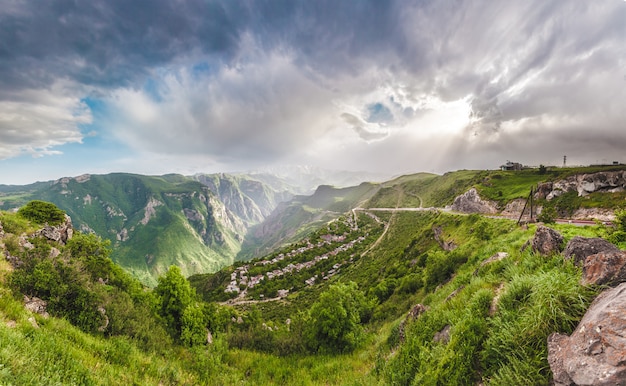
<point x="446" y="245"/>
<point x="547" y="241"/>
<point x="54" y="252"/>
<point x="494" y="302"/>
<point x="413" y="314"/>
<point x="209" y="337"/>
<point x="595" y="353"/>
<point x="443" y="336"/>
<point x="36" y="305"/>
<point x="11" y="323"/>
<point x="24" y="243"/>
<point x="470" y="202"/>
<point x="33" y="322"/>
<point x="579" y="248"/>
<point x="105" y="323"/>
<point x="454" y="293"/>
<point x="497" y="257"/>
<point x="605" y="268"/>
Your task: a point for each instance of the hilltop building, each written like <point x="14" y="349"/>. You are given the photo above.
<point x="511" y="166"/>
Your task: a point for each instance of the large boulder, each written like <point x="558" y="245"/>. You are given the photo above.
<point x="60" y="233"/>
<point x="579" y="248"/>
<point x="470" y="202"/>
<point x="605" y="268"/>
<point x="595" y="353"/>
<point x="547" y="241"/>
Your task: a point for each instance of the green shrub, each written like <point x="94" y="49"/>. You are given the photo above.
<point x="548" y="214"/>
<point x="42" y="212"/>
<point x="411" y="283"/>
<point x="12" y="223"/>
<point x="334" y="324"/>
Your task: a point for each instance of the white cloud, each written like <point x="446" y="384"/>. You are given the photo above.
<point x="35" y="121"/>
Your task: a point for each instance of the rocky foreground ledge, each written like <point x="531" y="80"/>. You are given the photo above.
<point x="595" y="353"/>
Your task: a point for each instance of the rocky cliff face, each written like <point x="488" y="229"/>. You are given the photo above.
<point x="248" y="199"/>
<point x="584" y="184"/>
<point x="470" y="202"/>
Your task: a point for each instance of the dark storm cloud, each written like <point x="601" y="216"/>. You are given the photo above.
<point x="108" y="42"/>
<point x="259" y="80"/>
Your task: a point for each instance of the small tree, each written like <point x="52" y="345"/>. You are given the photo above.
<point x="548" y="214"/>
<point x="542" y="169"/>
<point x="42" y="212"/>
<point x="175" y="295"/>
<point x="193" y="326"/>
<point x="335" y="319"/>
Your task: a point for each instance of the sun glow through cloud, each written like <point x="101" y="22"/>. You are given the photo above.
<point x="348" y="85"/>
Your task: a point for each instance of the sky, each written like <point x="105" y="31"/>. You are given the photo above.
<point x="202" y="86"/>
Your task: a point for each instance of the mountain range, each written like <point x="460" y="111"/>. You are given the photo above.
<point x="199" y="223"/>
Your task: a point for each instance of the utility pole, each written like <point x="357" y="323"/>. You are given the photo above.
<point x="531" y="204"/>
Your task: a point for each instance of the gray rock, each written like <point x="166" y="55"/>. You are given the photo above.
<point x="547" y="241"/>
<point x="443" y="336"/>
<point x="497" y="257"/>
<point x="595" y="353"/>
<point x="470" y="202"/>
<point x="36" y="305"/>
<point x="579" y="248"/>
<point x="60" y="233"/>
<point x="446" y="245"/>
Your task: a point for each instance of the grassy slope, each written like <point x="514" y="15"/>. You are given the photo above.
<point x="301" y="216"/>
<point x="500" y="186"/>
<point x="541" y="295"/>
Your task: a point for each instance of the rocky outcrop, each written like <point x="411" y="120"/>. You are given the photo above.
<point x="446" y="245"/>
<point x="579" y="248"/>
<point x="595" y="353"/>
<point x="547" y="241"/>
<point x="514" y="208"/>
<point x="584" y="184"/>
<point x="36" y="305"/>
<point x="413" y="314"/>
<point x="59" y="233"/>
<point x="470" y="202"/>
<point x="605" y="268"/>
<point x="593" y="214"/>
<point x="150" y="210"/>
<point x="496" y="257"/>
<point x="443" y="336"/>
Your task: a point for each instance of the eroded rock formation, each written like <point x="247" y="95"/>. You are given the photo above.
<point x="605" y="268"/>
<point x="595" y="353"/>
<point x="579" y="248"/>
<point x="470" y="202"/>
<point x="547" y="241"/>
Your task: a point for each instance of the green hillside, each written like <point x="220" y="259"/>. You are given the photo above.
<point x="432" y="190"/>
<point x="153" y="222"/>
<point x="295" y="219"/>
<point x="329" y="309"/>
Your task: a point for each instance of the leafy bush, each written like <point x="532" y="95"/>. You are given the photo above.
<point x="548" y="214"/>
<point x="334" y="324"/>
<point x="42" y="212"/>
<point x="84" y="286"/>
<point x="175" y="295"/>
